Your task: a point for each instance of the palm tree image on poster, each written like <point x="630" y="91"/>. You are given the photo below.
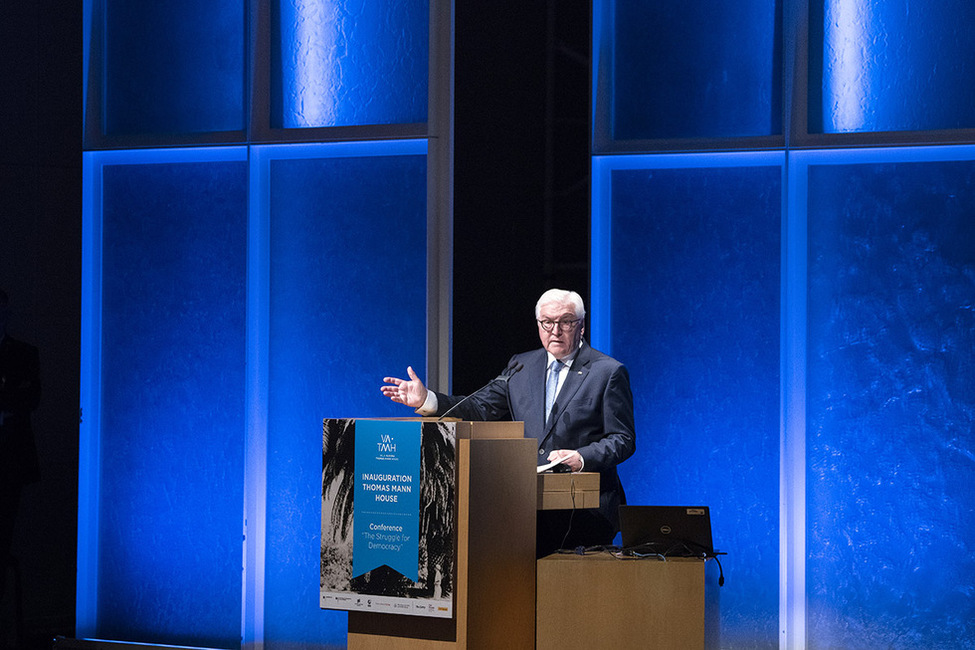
<point x="431" y="593"/>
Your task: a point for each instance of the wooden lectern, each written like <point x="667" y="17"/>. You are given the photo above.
<point x="494" y="587"/>
<point x="605" y="601"/>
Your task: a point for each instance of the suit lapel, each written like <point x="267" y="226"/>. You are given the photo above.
<point x="573" y="380"/>
<point x="529" y="398"/>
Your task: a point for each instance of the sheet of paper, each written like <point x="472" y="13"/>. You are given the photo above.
<point x="545" y="468"/>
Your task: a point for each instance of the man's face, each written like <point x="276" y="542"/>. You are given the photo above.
<point x="563" y="339"/>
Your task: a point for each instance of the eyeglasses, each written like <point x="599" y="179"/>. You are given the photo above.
<point x="566" y="325"/>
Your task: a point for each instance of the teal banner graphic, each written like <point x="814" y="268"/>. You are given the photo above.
<point x="388" y="516"/>
<point x="386" y="519"/>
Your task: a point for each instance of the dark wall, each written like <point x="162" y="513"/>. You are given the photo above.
<point x="521" y="176"/>
<point x="40" y="268"/>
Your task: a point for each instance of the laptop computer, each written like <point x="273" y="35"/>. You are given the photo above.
<point x="675" y="531"/>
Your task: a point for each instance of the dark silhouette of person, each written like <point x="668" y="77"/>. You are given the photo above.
<point x="20" y="393"/>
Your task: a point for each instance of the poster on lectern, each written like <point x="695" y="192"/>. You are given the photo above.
<point x="388" y="516"/>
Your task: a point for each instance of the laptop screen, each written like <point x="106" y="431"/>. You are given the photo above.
<point x="676" y="531"/>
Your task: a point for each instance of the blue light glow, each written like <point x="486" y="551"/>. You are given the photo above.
<point x="792" y="440"/>
<point x="312" y="29"/>
<point x="106" y="514"/>
<point x="173" y="67"/>
<point x="339" y="218"/>
<point x="892" y="66"/>
<point x="889" y="417"/>
<point x="847" y="48"/>
<point x="601" y="220"/>
<point x="682" y="69"/>
<point x="875" y="421"/>
<point x="690" y="303"/>
<point x="86" y="609"/>
<point x="351" y="63"/>
<point x="160" y="491"/>
<point x="90" y="503"/>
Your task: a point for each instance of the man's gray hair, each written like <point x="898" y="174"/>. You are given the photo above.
<point x="561" y="296"/>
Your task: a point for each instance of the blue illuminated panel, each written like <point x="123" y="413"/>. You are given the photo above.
<point x="349" y="62"/>
<point x="347" y="307"/>
<point x="686" y="279"/>
<point x="172" y="389"/>
<point x="692" y="69"/>
<point x="173" y="67"/>
<point x="891" y="66"/>
<point x="891" y="403"/>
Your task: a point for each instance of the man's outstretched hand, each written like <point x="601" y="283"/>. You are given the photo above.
<point x="410" y="391"/>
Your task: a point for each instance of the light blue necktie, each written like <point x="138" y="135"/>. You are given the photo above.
<point x="552" y="387"/>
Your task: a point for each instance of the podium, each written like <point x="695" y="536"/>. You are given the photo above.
<point x="494" y="581"/>
<point x="603" y="601"/>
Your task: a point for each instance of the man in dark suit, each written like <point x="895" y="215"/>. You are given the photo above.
<point x="20" y="392"/>
<point x="574" y="400"/>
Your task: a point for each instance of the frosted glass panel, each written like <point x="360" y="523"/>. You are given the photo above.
<point x="349" y="62"/>
<point x="891" y="66"/>
<point x="347" y="307"/>
<point x="172" y="394"/>
<point x="691" y="69"/>
<point x="891" y="405"/>
<point x="173" y="67"/>
<point x="694" y="313"/>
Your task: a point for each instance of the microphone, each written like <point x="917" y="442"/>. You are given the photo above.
<point x="503" y="378"/>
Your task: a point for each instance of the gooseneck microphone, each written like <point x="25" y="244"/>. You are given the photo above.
<point x="502" y="378"/>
